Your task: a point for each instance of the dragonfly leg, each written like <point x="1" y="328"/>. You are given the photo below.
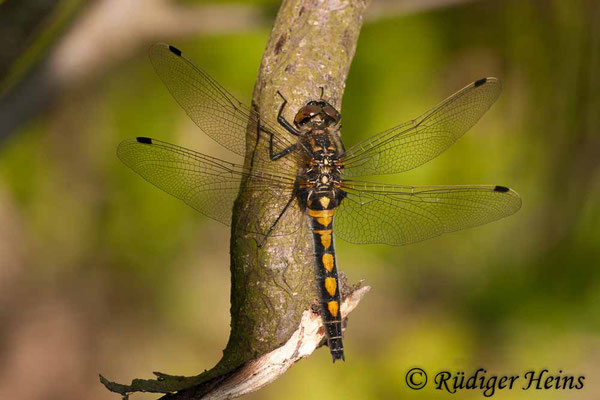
<point x="292" y="197"/>
<point x="288" y="127"/>
<point x="276" y="156"/>
<point x="282" y="121"/>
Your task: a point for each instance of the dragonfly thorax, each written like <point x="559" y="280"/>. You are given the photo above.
<point x="321" y="179"/>
<point x="323" y="175"/>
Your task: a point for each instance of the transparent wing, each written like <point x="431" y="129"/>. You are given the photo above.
<point x="205" y="183"/>
<point x="216" y="112"/>
<point x="415" y="142"/>
<point x="397" y="215"/>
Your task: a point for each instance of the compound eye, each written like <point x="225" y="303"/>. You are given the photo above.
<point x="312" y="109"/>
<point x="301" y="118"/>
<point x="306" y="113"/>
<point x="332" y="112"/>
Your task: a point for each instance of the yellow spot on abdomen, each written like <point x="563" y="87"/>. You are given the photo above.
<point x="324" y="201"/>
<point x="324" y="221"/>
<point x="333" y="308"/>
<point x="330" y="285"/>
<point x="323" y="217"/>
<point x="325" y="237"/>
<point x="326" y="241"/>
<point x="320" y="213"/>
<point x="328" y="261"/>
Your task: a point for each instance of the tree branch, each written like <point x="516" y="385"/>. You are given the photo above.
<point x="273" y="294"/>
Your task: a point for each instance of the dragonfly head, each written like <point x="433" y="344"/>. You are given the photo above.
<point x="317" y="114"/>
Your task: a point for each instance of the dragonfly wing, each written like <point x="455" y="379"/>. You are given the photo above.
<point x="416" y="142"/>
<point x="216" y="112"/>
<point x="398" y="215"/>
<point x="205" y="183"/>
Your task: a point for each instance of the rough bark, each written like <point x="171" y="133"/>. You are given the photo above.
<point x="311" y="47"/>
<point x="273" y="286"/>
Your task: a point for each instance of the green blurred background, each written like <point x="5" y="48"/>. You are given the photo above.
<point x="102" y="272"/>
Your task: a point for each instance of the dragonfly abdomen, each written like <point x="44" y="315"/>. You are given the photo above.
<point x="321" y="226"/>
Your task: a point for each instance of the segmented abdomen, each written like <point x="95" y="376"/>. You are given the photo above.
<point x="321" y="226"/>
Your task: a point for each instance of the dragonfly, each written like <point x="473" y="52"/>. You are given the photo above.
<point x="304" y="165"/>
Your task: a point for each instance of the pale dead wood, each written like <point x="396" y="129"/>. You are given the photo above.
<point x="253" y="375"/>
<point x="260" y="372"/>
